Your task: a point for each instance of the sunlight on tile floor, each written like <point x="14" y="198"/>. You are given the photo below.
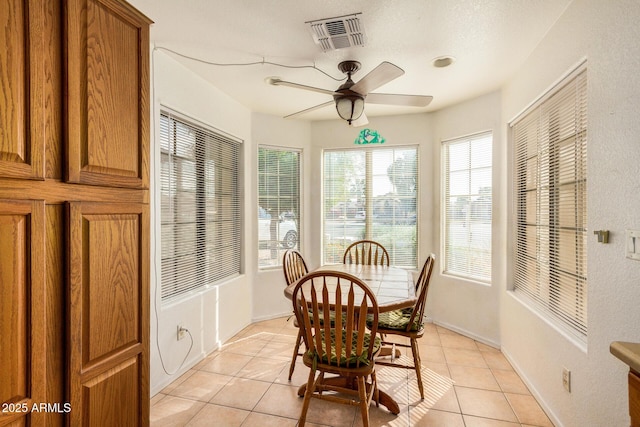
<point x="467" y="384"/>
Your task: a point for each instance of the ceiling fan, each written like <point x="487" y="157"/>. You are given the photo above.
<point x="350" y="97"/>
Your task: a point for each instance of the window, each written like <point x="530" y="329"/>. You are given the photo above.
<point x="200" y="206"/>
<point x="550" y="194"/>
<point x="371" y="194"/>
<point x="467" y="206"/>
<point x="278" y="204"/>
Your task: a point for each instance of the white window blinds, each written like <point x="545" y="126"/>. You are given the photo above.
<point x="200" y="206"/>
<point x="467" y="166"/>
<point x="550" y="147"/>
<point x="371" y="194"/>
<point x="278" y="204"/>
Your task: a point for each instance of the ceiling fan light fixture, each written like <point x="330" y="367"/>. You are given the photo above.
<point x="350" y="107"/>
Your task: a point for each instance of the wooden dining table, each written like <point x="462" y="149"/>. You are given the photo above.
<point x="393" y="288"/>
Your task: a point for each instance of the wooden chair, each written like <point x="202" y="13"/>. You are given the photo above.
<point x="407" y="322"/>
<point x="294" y="268"/>
<point x="342" y="346"/>
<point x="366" y="252"/>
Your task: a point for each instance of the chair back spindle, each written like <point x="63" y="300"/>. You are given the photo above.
<point x="366" y="252"/>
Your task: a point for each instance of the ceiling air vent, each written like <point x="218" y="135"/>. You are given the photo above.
<point x="338" y="33"/>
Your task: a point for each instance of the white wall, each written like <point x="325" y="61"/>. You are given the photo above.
<point x="215" y="314"/>
<point x="468" y="307"/>
<point x="607" y="34"/>
<point x="268" y="283"/>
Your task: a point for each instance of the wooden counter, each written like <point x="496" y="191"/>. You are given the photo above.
<point x="629" y="353"/>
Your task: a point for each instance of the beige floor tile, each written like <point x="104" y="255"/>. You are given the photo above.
<point x="435" y="418"/>
<point x="300" y="374"/>
<point x="281" y="400"/>
<point x="509" y="381"/>
<point x="331" y="413"/>
<point x="248" y="346"/>
<point x="276" y="323"/>
<point x="157" y="398"/>
<point x="430" y="338"/>
<point x="226" y="363"/>
<point x="457" y="341"/>
<point x="430" y="327"/>
<point x="177" y="381"/>
<point x="263" y="369"/>
<point x="443" y="330"/>
<point x="286" y="335"/>
<point x="528" y="410"/>
<point x="241" y="393"/>
<point x="471" y="421"/>
<point x="277" y="350"/>
<point x="485" y="347"/>
<point x="380" y="416"/>
<point x="174" y="411"/>
<point x="201" y="386"/>
<point x="263" y="420"/>
<point x="431" y="353"/>
<point x="439" y="392"/>
<point x="456" y="356"/>
<point x="393" y="381"/>
<point x="496" y="360"/>
<point x="217" y="415"/>
<point x="484" y="403"/>
<point x="468" y="376"/>
<point x="254" y="332"/>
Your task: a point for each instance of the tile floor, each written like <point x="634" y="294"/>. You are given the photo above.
<point x="467" y="384"/>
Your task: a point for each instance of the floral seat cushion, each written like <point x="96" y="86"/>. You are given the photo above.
<point x="397" y="320"/>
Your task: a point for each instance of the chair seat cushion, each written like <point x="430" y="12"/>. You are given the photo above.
<point x="397" y="320"/>
<point x="346" y="360"/>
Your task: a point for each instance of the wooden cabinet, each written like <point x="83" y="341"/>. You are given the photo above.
<point x="634" y="398"/>
<point x="74" y="213"/>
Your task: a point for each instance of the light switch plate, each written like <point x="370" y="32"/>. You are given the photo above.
<point x="633" y="244"/>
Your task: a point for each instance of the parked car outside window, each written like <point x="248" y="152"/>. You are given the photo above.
<point x="283" y="230"/>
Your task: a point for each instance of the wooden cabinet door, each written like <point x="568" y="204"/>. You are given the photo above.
<point x="107" y="86"/>
<point x="21" y="85"/>
<point x="108" y="320"/>
<point x="22" y="311"/>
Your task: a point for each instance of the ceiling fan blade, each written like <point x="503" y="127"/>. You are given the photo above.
<point x="402" y="100"/>
<point x="360" y="121"/>
<point x="277" y="82"/>
<point x="317" y="107"/>
<point x="383" y="73"/>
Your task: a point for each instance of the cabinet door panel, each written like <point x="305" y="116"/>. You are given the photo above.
<point x="22" y="314"/>
<point x="108" y="312"/>
<point x="108" y="94"/>
<point x="22" y="79"/>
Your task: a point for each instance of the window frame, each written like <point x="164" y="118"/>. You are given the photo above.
<point x="551" y="309"/>
<point x="369" y="201"/>
<point x="298" y="220"/>
<point x="203" y="179"/>
<point x="444" y="203"/>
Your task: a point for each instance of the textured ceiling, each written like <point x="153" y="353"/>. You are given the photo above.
<point x="490" y="39"/>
